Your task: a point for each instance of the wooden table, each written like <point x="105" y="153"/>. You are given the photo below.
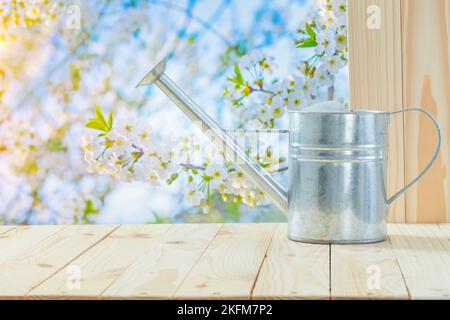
<point x="237" y="261"/>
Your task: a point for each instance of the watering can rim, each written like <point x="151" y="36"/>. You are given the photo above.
<point x="350" y="111"/>
<point x="333" y="107"/>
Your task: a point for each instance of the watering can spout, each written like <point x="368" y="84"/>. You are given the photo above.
<point x="154" y="74"/>
<point x="271" y="188"/>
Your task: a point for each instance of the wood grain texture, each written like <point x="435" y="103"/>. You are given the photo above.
<point x="426" y="78"/>
<point x="4" y="229"/>
<point x="103" y="264"/>
<point x="375" y="75"/>
<point x="229" y="267"/>
<point x="18" y="240"/>
<point x="445" y="227"/>
<point x="367" y="271"/>
<point x="22" y="272"/>
<point x="423" y="253"/>
<point x="239" y="261"/>
<point x="293" y="270"/>
<point x="159" y="272"/>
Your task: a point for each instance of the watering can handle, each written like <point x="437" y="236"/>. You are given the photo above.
<point x="435" y="153"/>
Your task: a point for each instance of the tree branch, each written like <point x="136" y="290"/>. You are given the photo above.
<point x="331" y="93"/>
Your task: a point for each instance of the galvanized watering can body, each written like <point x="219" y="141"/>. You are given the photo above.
<point x="338" y="174"/>
<point x="337" y="178"/>
<point x="337" y="167"/>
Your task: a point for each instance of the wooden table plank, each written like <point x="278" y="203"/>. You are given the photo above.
<point x="159" y="272"/>
<point x="23" y="272"/>
<point x="4" y="229"/>
<point x="293" y="270"/>
<point x="239" y="261"/>
<point x="366" y="271"/>
<point x="423" y="252"/>
<point x="445" y="227"/>
<point x="103" y="264"/>
<point x="14" y="242"/>
<point x="229" y="267"/>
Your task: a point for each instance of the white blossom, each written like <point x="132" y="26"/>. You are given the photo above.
<point x="149" y="170"/>
<point x="326" y="43"/>
<point x="323" y="77"/>
<point x="334" y="64"/>
<point x="217" y="173"/>
<point x="193" y="196"/>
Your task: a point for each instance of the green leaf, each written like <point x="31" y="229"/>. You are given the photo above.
<point x="234" y="80"/>
<point x="89" y="211"/>
<point x="172" y="178"/>
<point x="310" y="32"/>
<point x="239" y="77"/>
<point x="265" y="165"/>
<point x="98" y="113"/>
<point x="110" y="120"/>
<point x="99" y="116"/>
<point x="308" y="43"/>
<point x="56" y="145"/>
<point x="234" y="211"/>
<point x="99" y="122"/>
<point x="191" y="39"/>
<point x="159" y="219"/>
<point x="95" y="124"/>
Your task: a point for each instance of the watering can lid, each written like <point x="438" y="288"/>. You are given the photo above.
<point x="333" y="107"/>
<point x="325" y="107"/>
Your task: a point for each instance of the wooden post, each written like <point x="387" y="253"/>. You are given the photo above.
<point x="375" y="71"/>
<point x="400" y="58"/>
<point x="426" y="83"/>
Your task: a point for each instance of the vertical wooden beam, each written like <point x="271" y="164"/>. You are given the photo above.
<point x="375" y="72"/>
<point x="426" y="78"/>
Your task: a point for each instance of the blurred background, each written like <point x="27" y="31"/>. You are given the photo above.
<point x="58" y="59"/>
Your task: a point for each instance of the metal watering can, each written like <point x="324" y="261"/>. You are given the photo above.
<point x="337" y="167"/>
